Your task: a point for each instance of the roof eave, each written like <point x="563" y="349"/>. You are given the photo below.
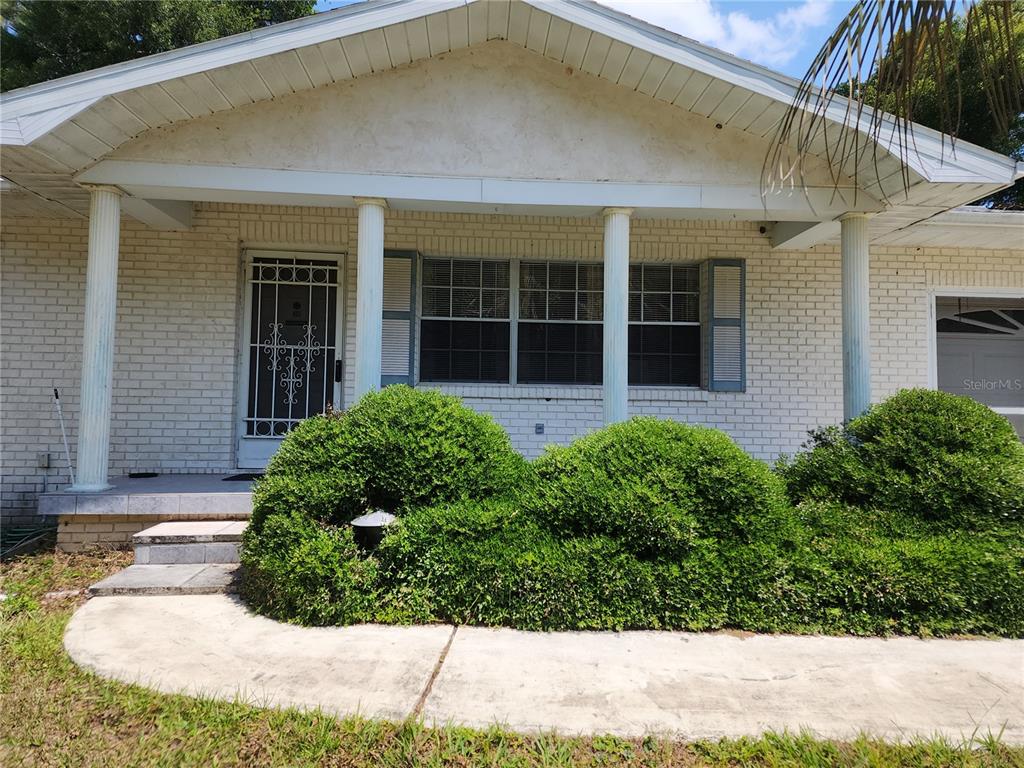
<point x="933" y="150"/>
<point x="309" y="30"/>
<point x="32" y="112"/>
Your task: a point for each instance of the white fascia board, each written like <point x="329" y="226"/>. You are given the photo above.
<point x="200" y="179"/>
<point x="601" y="194"/>
<point x="310" y="30"/>
<point x="164" y="181"/>
<point x="745" y="201"/>
<point x="969" y="163"/>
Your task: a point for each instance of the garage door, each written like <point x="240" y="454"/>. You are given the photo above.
<point x="980" y="352"/>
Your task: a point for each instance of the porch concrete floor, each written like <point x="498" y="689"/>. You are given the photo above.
<point x="162" y="495"/>
<point x="676" y="684"/>
<point x="163" y="578"/>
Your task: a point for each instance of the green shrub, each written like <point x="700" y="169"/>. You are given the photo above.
<point x="943" y="458"/>
<point x="394" y="450"/>
<point x="658" y="486"/>
<point x="856" y="575"/>
<point x="315" y="496"/>
<point x="297" y="569"/>
<point x="642" y="525"/>
<point x="489" y="563"/>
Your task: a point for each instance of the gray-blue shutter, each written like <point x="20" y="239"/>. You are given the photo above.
<point x="398" y="329"/>
<point x="724" y="325"/>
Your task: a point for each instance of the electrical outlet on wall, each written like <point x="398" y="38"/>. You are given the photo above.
<point x="43" y="461"/>
<point x="538" y="428"/>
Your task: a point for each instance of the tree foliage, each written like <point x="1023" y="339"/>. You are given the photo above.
<point x="956" y="66"/>
<point x="972" y="117"/>
<point x="43" y="40"/>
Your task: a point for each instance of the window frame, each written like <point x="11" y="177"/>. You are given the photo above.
<point x="420" y="316"/>
<point x="699" y="293"/>
<point x="514" y="319"/>
<point x="548" y="321"/>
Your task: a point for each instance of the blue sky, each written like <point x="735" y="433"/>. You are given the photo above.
<point x="781" y="34"/>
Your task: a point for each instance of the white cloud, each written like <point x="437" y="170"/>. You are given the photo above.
<point x="773" y="40"/>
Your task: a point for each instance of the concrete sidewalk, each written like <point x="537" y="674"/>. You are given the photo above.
<point x="676" y="684"/>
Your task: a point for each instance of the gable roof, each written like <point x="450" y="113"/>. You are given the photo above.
<point x="53" y="130"/>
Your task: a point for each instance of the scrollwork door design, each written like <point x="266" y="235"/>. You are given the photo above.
<point x="292" y="352"/>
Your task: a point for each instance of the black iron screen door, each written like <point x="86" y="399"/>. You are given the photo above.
<point x="291" y="356"/>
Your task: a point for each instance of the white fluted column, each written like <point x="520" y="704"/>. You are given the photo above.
<point x="369" y="293"/>
<point x="616" y="314"/>
<point x="98" y="340"/>
<point x="856" y="314"/>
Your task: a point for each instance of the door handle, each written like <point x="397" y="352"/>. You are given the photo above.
<point x="339" y="370"/>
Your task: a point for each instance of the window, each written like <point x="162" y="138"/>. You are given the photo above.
<point x="664" y="325"/>
<point x="560" y="333"/>
<point x="469" y="307"/>
<point x="464" y="332"/>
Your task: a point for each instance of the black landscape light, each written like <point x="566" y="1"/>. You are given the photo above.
<point x="368" y="529"/>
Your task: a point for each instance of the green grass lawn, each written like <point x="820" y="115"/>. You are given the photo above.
<point x="52" y="713"/>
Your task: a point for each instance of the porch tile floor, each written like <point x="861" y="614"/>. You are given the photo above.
<point x="165" y="495"/>
<point x="686" y="685"/>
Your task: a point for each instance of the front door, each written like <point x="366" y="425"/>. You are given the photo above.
<point x="291" y="356"/>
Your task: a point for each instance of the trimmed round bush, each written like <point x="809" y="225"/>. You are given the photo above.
<point x="942" y="458"/>
<point x="396" y="449"/>
<point x="658" y="486"/>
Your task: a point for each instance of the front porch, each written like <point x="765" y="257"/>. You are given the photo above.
<point x="112" y="516"/>
<point x="320" y="326"/>
<point x="180" y="412"/>
<point x="532" y="195"/>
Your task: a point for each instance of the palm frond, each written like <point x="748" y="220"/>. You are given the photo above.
<point x="856" y="104"/>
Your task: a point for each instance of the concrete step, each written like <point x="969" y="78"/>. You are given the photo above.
<point x="189" y="542"/>
<point x="185" y="579"/>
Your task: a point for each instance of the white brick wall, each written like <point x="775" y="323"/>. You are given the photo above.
<point x="178" y="309"/>
<point x="174" y="359"/>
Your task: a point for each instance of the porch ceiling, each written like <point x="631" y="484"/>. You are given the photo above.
<point x="966" y="227"/>
<point x="53" y="131"/>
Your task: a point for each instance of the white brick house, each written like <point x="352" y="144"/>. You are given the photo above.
<point x="548" y="208"/>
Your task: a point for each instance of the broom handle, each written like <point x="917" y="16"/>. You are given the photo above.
<point x="64" y="434"/>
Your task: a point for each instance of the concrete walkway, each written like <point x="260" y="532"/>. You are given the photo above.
<point x="675" y="684"/>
